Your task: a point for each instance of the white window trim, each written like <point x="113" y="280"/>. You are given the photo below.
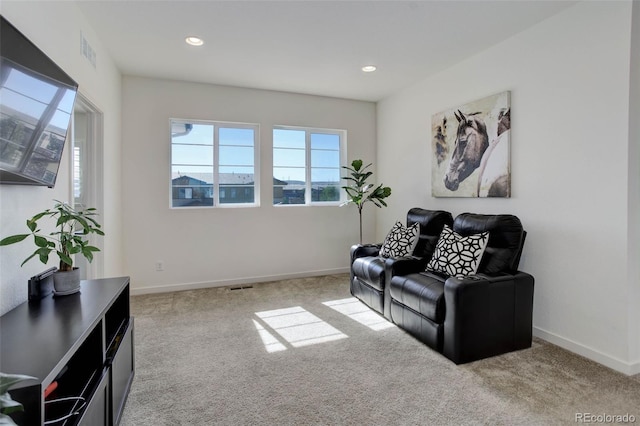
<point x="216" y="166"/>
<point x="94" y="177"/>
<point x="307" y="193"/>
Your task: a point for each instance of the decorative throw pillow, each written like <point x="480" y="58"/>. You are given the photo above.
<point x="400" y="241"/>
<point x="458" y="256"/>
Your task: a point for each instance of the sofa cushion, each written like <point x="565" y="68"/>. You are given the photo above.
<point x="458" y="256"/>
<point x="370" y="270"/>
<point x="422" y="292"/>
<point x="400" y="241"/>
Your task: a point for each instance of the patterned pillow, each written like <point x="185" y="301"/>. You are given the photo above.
<point x="400" y="241"/>
<point x="458" y="256"/>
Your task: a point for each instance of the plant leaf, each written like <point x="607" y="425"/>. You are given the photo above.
<point x="93" y="221"/>
<point x="13" y="239"/>
<point x="32" y="225"/>
<point x="43" y="253"/>
<point x="65" y="259"/>
<point x="88" y="255"/>
<point x="365" y="176"/>
<point x="83" y="223"/>
<point x="41" y="241"/>
<point x="9" y="405"/>
<point x="8" y="380"/>
<point x="29" y="258"/>
<point x="61" y="221"/>
<point x="39" y="216"/>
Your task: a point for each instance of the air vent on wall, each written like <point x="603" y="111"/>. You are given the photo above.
<point x="87" y="51"/>
<point x="244" y="287"/>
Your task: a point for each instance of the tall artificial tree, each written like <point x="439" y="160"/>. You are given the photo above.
<point x="360" y="192"/>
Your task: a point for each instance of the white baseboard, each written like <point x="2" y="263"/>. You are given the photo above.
<point x="614" y="363"/>
<point x="233" y="282"/>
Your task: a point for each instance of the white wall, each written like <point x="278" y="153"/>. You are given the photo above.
<point x="222" y="246"/>
<point x="55" y="28"/>
<point x="569" y="81"/>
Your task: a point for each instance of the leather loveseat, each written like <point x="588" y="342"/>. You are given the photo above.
<point x="469" y="317"/>
<point x="371" y="272"/>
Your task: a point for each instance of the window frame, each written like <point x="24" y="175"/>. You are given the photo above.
<point x="342" y="152"/>
<point x="217" y="125"/>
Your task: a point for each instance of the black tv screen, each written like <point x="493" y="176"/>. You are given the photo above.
<point x="36" y="103"/>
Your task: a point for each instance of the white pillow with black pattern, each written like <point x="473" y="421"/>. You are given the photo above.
<point x="458" y="256"/>
<point x="400" y="241"/>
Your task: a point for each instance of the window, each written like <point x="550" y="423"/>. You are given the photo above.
<point x="306" y="165"/>
<point x="213" y="164"/>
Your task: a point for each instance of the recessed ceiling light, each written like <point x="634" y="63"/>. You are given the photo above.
<point x="369" y="68"/>
<point x="194" y="41"/>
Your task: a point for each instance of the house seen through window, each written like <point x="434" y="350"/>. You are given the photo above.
<point x="213" y="164"/>
<point x="306" y="165"/>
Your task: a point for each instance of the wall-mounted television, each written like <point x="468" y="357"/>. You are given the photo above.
<point x="36" y="103"/>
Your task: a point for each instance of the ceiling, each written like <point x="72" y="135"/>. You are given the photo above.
<point x="311" y="47"/>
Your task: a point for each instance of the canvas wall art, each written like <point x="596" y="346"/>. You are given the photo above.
<point x="471" y="149"/>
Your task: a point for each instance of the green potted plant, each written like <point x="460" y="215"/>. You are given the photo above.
<point x="7" y="404"/>
<point x="69" y="238"/>
<point x="360" y="192"/>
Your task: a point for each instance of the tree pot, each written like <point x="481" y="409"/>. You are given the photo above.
<point x="66" y="282"/>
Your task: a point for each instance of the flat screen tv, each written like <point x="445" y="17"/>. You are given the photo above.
<point x="36" y="103"/>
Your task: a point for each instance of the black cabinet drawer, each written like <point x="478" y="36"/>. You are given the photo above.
<point x="96" y="413"/>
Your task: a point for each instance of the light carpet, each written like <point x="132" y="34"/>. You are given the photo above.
<point x="265" y="356"/>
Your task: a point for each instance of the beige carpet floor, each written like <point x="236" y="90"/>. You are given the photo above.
<point x="300" y="352"/>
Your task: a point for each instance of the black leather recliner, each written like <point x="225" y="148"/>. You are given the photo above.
<point x="474" y="317"/>
<point x="370" y="272"/>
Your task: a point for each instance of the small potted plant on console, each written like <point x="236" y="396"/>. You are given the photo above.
<point x="69" y="238"/>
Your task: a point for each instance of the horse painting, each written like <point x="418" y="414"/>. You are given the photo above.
<point x="471" y="143"/>
<point x="479" y="155"/>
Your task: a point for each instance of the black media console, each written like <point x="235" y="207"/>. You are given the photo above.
<point x="80" y="348"/>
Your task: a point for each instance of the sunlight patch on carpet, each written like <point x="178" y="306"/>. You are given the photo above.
<point x="271" y="343"/>
<point x="299" y="327"/>
<point x="357" y="311"/>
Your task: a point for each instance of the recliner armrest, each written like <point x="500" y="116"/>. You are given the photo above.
<point x="364" y="250"/>
<point x="487" y="315"/>
<point x="404" y="266"/>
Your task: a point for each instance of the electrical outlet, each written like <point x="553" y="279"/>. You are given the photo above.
<point x="159" y="266"/>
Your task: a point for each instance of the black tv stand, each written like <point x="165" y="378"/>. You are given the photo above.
<point x="81" y="349"/>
